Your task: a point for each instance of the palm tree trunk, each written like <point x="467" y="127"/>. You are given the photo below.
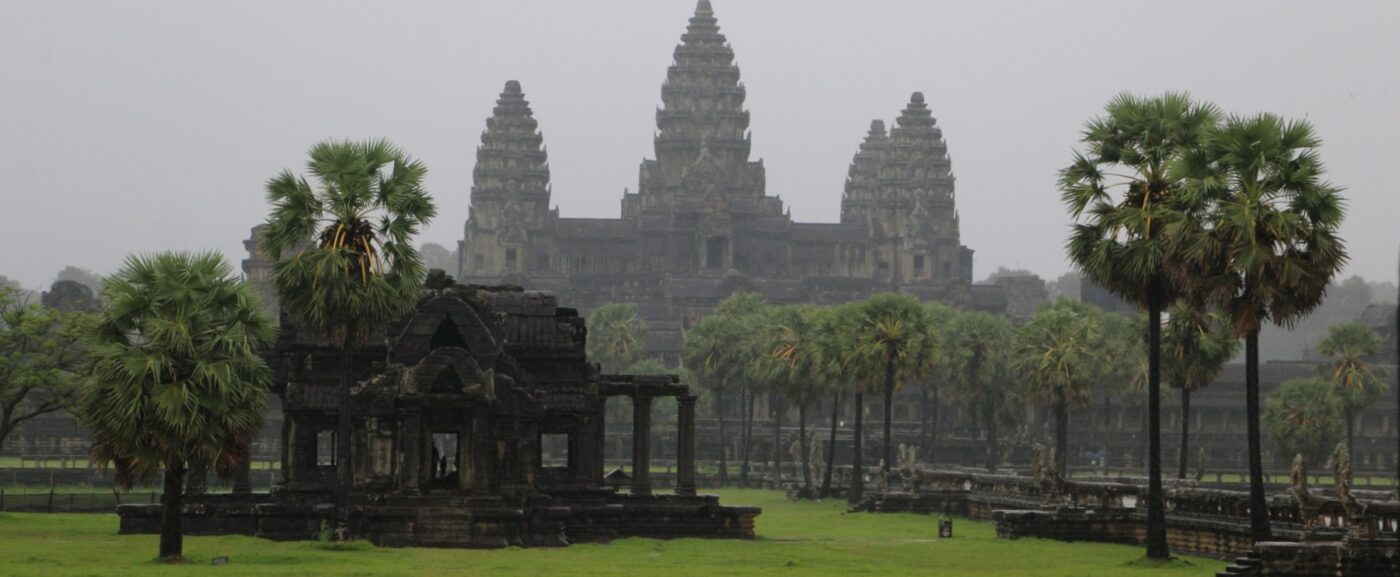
<point x="723" y="439"/>
<point x="1350" y="417"/>
<point x="1185" y="432"/>
<point x="923" y="422"/>
<point x="933" y="427"/>
<point x="172" y="501"/>
<point x="857" y="461"/>
<point x="889" y="411"/>
<point x="776" y="401"/>
<point x="745" y="436"/>
<point x="1258" y="505"/>
<point x="803" y="450"/>
<point x="1062" y="437"/>
<point x="1156" y="500"/>
<point x="993" y="447"/>
<point x="831" y="446"/>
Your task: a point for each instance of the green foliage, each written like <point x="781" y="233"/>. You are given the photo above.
<point x="1060" y="353"/>
<point x="977" y="344"/>
<point x="893" y="330"/>
<point x="1304" y="417"/>
<point x="1266" y="247"/>
<point x="175" y="373"/>
<point x="1123" y="196"/>
<point x="1355" y="382"/>
<point x="344" y="257"/>
<point x="1195" y="345"/>
<point x="719" y="349"/>
<point x="789" y="356"/>
<point x="41" y="359"/>
<point x="616" y="336"/>
<point x="1125" y="349"/>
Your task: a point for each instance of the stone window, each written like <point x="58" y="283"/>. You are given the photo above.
<point x="511" y="257"/>
<point x="918" y="266"/>
<point x="554" y="450"/>
<point x="715" y="247"/>
<point x="325" y="448"/>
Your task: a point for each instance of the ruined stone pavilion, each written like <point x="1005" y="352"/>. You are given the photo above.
<point x="477" y="422"/>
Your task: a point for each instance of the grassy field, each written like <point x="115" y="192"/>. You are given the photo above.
<point x="794" y="539"/>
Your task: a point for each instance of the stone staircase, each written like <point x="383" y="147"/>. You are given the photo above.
<point x="1246" y="566"/>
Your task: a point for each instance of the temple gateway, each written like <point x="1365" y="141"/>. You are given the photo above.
<point x="478" y="423"/>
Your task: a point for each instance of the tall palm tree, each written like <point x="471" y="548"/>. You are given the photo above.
<point x="175" y="375"/>
<point x="616" y="336"/>
<point x="1270" y="246"/>
<point x="707" y="348"/>
<point x="930" y="367"/>
<point x="892" y="327"/>
<point x="1123" y="196"/>
<point x="344" y="257"/>
<point x="1060" y="355"/>
<point x="831" y="368"/>
<point x="1356" y="383"/>
<point x="977" y="345"/>
<point x="788" y="359"/>
<point x="1195" y="346"/>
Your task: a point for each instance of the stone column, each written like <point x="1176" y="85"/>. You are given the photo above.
<point x="411" y="444"/>
<point x="196" y="478"/>
<point x="641" y="445"/>
<point x="685" y="452"/>
<point x="243" y="477"/>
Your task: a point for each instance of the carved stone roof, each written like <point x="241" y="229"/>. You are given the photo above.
<point x="511" y="160"/>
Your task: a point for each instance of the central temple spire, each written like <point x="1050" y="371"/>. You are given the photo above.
<point x="702" y="102"/>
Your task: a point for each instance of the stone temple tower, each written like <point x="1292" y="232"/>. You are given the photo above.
<point x="507" y="227"/>
<point x="900" y="186"/>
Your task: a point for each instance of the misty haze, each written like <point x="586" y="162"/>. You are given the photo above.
<point x="715" y="282"/>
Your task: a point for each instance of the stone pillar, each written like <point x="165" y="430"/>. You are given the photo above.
<point x="641" y="445"/>
<point x="411" y="444"/>
<point x="196" y="479"/>
<point x="685" y="452"/>
<point x="243" y="476"/>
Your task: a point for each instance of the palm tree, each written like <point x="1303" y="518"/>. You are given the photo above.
<point x="175" y="375"/>
<point x="718" y="351"/>
<point x="1356" y="384"/>
<point x="893" y="327"/>
<point x="616" y="336"/>
<point x="1195" y="346"/>
<point x="830" y="366"/>
<point x="746" y="310"/>
<point x="1123" y="196"/>
<point x="706" y="354"/>
<point x="1269" y="246"/>
<point x="344" y="258"/>
<point x="1304" y="418"/>
<point x="929" y="366"/>
<point x="1060" y="355"/>
<point x="977" y="345"/>
<point x="788" y="359"/>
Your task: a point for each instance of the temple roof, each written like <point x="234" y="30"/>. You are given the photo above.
<point x="702" y="98"/>
<point x="511" y="159"/>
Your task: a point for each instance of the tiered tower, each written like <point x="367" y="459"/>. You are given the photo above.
<point x="901" y="188"/>
<point x="510" y="194"/>
<point x="863" y="178"/>
<point x="702" y="142"/>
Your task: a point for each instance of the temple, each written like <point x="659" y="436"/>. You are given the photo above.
<point x="478" y="423"/>
<point x="702" y="224"/>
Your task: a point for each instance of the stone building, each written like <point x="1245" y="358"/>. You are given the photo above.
<point x="474" y="422"/>
<point x="702" y="223"/>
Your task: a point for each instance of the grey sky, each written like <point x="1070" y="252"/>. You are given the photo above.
<point x="140" y="126"/>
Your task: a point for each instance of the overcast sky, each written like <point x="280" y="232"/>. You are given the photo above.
<point x="141" y="126"/>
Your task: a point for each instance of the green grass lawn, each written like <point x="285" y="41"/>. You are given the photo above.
<point x="794" y="539"/>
